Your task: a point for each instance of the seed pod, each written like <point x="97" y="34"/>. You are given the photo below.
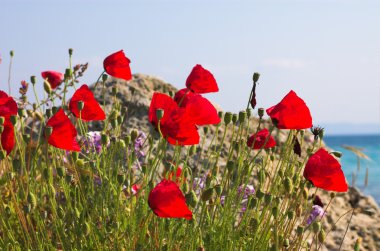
<point x="191" y="199"/>
<point x="275" y="212"/>
<point x="79" y="163"/>
<point x="268" y="198"/>
<point x="227" y="118"/>
<point x="234" y="118"/>
<point x="261" y="112"/>
<point x="290" y="215"/>
<point x="47" y="87"/>
<point x="300" y="230"/>
<point x="13" y="119"/>
<point x="205" y="130"/>
<point x="218" y="189"/>
<point x="193" y="150"/>
<point x="256" y="77"/>
<point x="134" y="134"/>
<point x="33" y="79"/>
<point x="286" y="243"/>
<point x="159" y="114"/>
<point x="249" y="112"/>
<point x="316" y="226"/>
<point x="105" y="139"/>
<point x="242" y="116"/>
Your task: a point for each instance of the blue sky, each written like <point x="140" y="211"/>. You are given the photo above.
<point x="328" y="51"/>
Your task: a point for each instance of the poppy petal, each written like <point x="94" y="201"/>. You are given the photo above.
<point x="8" y="136"/>
<point x="325" y="172"/>
<point x="201" y="111"/>
<point x="257" y="141"/>
<point x="291" y="113"/>
<point x="91" y="109"/>
<point x="8" y="106"/>
<point x="201" y="80"/>
<point x="117" y="65"/>
<point x="54" y="78"/>
<point x="64" y="133"/>
<point x="167" y="201"/>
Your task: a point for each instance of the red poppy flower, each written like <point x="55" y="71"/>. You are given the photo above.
<point x="325" y="172"/>
<point x="167" y="201"/>
<point x="8" y="136"/>
<point x="117" y="65"/>
<point x="91" y="109"/>
<point x="53" y="77"/>
<point x="201" y="80"/>
<point x="201" y="111"/>
<point x="8" y="107"/>
<point x="291" y="113"/>
<point x="64" y="133"/>
<point x="259" y="138"/>
<point x="176" y="126"/>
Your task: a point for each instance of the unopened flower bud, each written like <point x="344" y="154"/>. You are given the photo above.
<point x="68" y="73"/>
<point x="33" y="80"/>
<point x="227" y="118"/>
<point x="305" y="193"/>
<point x="252" y="203"/>
<point x="13" y="119"/>
<point x="80" y="105"/>
<point x="48" y="131"/>
<point x="75" y="155"/>
<point x="205" y="130"/>
<point x="288" y="184"/>
<point x="275" y="212"/>
<point x="191" y="199"/>
<point x="3" y="154"/>
<point x="332" y="195"/>
<point x="48" y="112"/>
<point x="242" y="116"/>
<point x="32" y="200"/>
<point x="220" y="114"/>
<point x="127" y="140"/>
<point x="54" y="109"/>
<point x="268" y="198"/>
<point x="2" y="120"/>
<point x="70" y="51"/>
<point x="260" y="112"/>
<point x="316" y="226"/>
<point x="322" y="236"/>
<point x="300" y="230"/>
<point x="47" y="87"/>
<point x="114" y="123"/>
<point x="260" y="194"/>
<point x="104" y="77"/>
<point x="119" y="120"/>
<point x="207" y="194"/>
<point x="256" y="77"/>
<point x="79" y="163"/>
<point x="134" y="134"/>
<point x="286" y="243"/>
<point x="337" y="154"/>
<point x="11" y="53"/>
<point x="193" y="150"/>
<point x="21" y="112"/>
<point x="249" y="112"/>
<point x="218" y="189"/>
<point x="290" y="215"/>
<point x="159" y="114"/>
<point x="234" y="118"/>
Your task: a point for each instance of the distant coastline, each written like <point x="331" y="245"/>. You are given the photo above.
<point x="349" y="129"/>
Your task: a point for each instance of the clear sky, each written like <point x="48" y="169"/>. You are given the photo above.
<point x="328" y="51"/>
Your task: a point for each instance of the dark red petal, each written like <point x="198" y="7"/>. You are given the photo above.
<point x="201" y="80"/>
<point x="201" y="111"/>
<point x="183" y="96"/>
<point x="291" y="113"/>
<point x="8" y="136"/>
<point x="91" y="110"/>
<point x="325" y="172"/>
<point x="8" y="106"/>
<point x="161" y="101"/>
<point x="54" y="78"/>
<point x="117" y="65"/>
<point x="259" y="138"/>
<point x="64" y="133"/>
<point x="167" y="201"/>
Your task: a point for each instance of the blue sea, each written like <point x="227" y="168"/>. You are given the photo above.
<point x="371" y="147"/>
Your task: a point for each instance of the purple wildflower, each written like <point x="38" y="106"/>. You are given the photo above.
<point x="315" y="212"/>
<point x="199" y="184"/>
<point x="93" y="141"/>
<point x="139" y="142"/>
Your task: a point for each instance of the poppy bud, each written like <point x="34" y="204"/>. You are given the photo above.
<point x="80" y="105"/>
<point x="261" y="112"/>
<point x="255" y="77"/>
<point x="159" y="113"/>
<point x="47" y="87"/>
<point x="275" y="212"/>
<point x="242" y="116"/>
<point x="3" y="154"/>
<point x="234" y="118"/>
<point x="288" y="185"/>
<point x="21" y="112"/>
<point x="1" y="129"/>
<point x="68" y="73"/>
<point x="227" y="118"/>
<point x="39" y="116"/>
<point x="259" y="194"/>
<point x="220" y="114"/>
<point x="252" y="203"/>
<point x="60" y="171"/>
<point x="2" y="119"/>
<point x="119" y="120"/>
<point x="11" y="53"/>
<point x="105" y="139"/>
<point x="191" y="199"/>
<point x="300" y="230"/>
<point x="286" y="243"/>
<point x="26" y="138"/>
<point x="322" y="236"/>
<point x="48" y="112"/>
<point x="79" y="163"/>
<point x="268" y="198"/>
<point x="27" y="209"/>
<point x="249" y="112"/>
<point x="69" y="178"/>
<point x="337" y="154"/>
<point x="332" y="195"/>
<point x="290" y="215"/>
<point x="32" y="200"/>
<point x="134" y="134"/>
<point x="207" y="194"/>
<point x="74" y="155"/>
<point x="230" y="166"/>
<point x="205" y="130"/>
<point x="120" y="179"/>
<point x="33" y="80"/>
<point x="127" y="140"/>
<point x="316" y="226"/>
<point x="70" y="51"/>
<point x="48" y="131"/>
<point x="254" y="224"/>
<point x="193" y="150"/>
<point x="114" y="123"/>
<point x="104" y="77"/>
<point x="13" y="119"/>
<point x="218" y="189"/>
